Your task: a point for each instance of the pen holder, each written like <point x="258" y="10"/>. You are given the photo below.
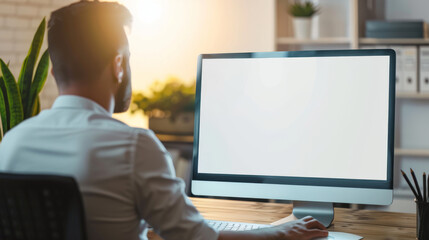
<point x="422" y="212"/>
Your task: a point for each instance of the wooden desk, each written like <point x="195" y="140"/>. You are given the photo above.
<point x="366" y="223"/>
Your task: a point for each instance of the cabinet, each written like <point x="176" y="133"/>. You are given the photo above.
<point x="412" y="109"/>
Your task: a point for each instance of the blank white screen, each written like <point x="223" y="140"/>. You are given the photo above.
<point x="324" y="117"/>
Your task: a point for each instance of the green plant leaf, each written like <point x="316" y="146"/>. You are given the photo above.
<point x="3" y="114"/>
<point x="25" y="82"/>
<point x="4" y="105"/>
<point x="13" y="96"/>
<point x="36" y="109"/>
<point x="22" y="72"/>
<point x="168" y="99"/>
<point x="303" y="9"/>
<point x="38" y="83"/>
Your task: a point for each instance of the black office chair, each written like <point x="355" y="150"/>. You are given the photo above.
<point x="40" y="207"/>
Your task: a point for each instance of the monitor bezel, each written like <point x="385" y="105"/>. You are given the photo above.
<point x="303" y="181"/>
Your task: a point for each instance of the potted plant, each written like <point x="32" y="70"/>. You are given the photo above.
<point x="169" y="106"/>
<point x="19" y="99"/>
<point x="302" y="13"/>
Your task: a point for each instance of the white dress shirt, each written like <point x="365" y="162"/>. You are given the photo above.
<point x="125" y="175"/>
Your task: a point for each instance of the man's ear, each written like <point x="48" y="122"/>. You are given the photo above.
<point x="52" y="72"/>
<point x="118" y="70"/>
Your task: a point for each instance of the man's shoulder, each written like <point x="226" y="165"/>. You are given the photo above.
<point x="142" y="135"/>
<point x="92" y="123"/>
<point x="141" y="132"/>
<point x="112" y="125"/>
<point x="146" y="136"/>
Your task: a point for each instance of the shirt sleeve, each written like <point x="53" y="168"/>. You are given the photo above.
<point x="160" y="197"/>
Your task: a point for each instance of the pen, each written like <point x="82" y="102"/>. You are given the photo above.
<point x="424" y="187"/>
<point x="419" y="193"/>
<point x="409" y="184"/>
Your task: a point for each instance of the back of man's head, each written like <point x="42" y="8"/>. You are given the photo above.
<point x="84" y="37"/>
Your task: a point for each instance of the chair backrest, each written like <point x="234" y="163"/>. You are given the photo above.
<point x="40" y="207"/>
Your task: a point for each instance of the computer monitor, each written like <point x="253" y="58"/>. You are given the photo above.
<point x="315" y="127"/>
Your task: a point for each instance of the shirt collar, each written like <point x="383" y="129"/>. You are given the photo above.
<point x="77" y="102"/>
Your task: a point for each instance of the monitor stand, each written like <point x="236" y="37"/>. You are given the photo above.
<point x="322" y="211"/>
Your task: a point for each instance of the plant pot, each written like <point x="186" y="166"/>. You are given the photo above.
<point x="181" y="125"/>
<point x="302" y="27"/>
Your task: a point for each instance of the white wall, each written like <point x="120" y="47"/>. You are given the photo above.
<point x="333" y="18"/>
<point x="168" y="41"/>
<point x="167" y="35"/>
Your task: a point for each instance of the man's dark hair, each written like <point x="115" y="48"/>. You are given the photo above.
<point x="84" y="37"/>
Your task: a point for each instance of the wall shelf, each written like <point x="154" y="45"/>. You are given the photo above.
<point x="411" y="152"/>
<point x="415" y="41"/>
<point x="175" y="138"/>
<point x="318" y="41"/>
<point x="402" y="95"/>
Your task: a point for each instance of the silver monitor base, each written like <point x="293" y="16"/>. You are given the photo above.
<point x="322" y="211"/>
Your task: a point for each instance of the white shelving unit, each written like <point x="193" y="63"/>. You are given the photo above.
<point x="352" y="39"/>
<point x="412" y="152"/>
<point x="358" y="13"/>
<point x="396" y="41"/>
<point x="422" y="96"/>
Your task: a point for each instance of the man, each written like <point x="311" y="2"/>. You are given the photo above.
<point x="125" y="174"/>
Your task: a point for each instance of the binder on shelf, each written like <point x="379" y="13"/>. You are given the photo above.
<point x="394" y="29"/>
<point x="426" y="30"/>
<point x="409" y="69"/>
<point x="399" y="68"/>
<point x="424" y="69"/>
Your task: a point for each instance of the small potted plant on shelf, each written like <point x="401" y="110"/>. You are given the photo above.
<point x="19" y="97"/>
<point x="302" y="13"/>
<point x="169" y="105"/>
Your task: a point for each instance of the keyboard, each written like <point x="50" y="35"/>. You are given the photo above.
<point x="235" y="226"/>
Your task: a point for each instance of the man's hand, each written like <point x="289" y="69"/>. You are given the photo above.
<point x="303" y="229"/>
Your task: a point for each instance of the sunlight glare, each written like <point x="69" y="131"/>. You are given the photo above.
<point x="146" y="11"/>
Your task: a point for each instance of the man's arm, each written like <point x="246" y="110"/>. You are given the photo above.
<point x="303" y="229"/>
<point x="162" y="202"/>
<point x="159" y="196"/>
